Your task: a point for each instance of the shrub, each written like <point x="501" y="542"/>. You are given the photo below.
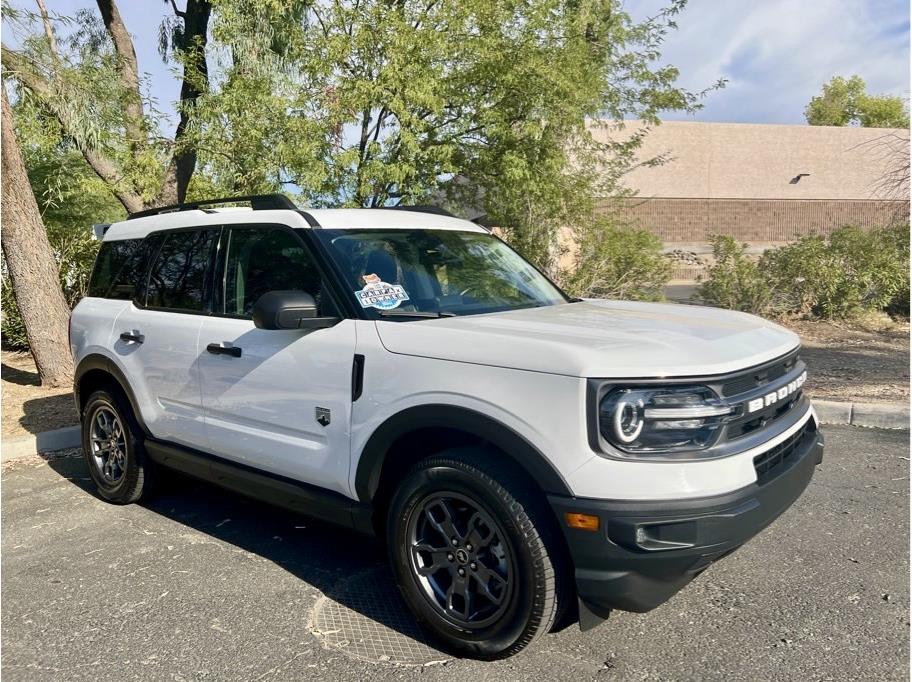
<point x="618" y="263"/>
<point x="854" y="272"/>
<point x="734" y="280"/>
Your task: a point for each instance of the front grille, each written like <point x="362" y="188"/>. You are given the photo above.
<point x="776" y="460"/>
<point x="760" y="376"/>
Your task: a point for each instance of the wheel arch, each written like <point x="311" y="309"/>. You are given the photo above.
<point x="459" y="424"/>
<point x="96" y="370"/>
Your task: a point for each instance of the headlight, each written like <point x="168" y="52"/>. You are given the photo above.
<point x="662" y="419"/>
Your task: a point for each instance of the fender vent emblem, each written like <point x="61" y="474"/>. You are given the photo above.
<point x="323" y="416"/>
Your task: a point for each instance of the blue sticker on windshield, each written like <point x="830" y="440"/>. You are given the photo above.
<point x="378" y="294"/>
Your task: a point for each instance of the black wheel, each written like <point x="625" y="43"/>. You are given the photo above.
<point x="113" y="448"/>
<point x="475" y="553"/>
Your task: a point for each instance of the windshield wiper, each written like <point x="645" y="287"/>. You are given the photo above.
<point x="418" y="314"/>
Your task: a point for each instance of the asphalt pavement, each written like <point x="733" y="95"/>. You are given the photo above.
<point x="201" y="584"/>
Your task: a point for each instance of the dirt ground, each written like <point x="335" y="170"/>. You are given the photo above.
<point x="27" y="407"/>
<point x="844" y="364"/>
<point x="855" y="365"/>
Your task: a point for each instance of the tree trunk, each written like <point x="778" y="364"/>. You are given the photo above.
<point x="33" y="273"/>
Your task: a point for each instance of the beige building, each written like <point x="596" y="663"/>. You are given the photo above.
<point x="764" y="184"/>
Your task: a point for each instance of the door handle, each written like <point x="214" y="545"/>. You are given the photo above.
<point x="132" y="335"/>
<point x="224" y="348"/>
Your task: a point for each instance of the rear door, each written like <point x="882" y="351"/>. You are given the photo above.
<point x="278" y="400"/>
<point x="156" y="336"/>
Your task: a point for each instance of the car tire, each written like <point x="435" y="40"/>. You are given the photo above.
<point x="112" y="444"/>
<point x="513" y="582"/>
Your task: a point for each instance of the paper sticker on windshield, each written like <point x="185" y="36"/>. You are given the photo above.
<point x="378" y="294"/>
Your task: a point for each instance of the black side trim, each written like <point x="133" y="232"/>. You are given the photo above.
<point x="357" y="376"/>
<point x="370" y="464"/>
<point x="287" y="493"/>
<point x="99" y="362"/>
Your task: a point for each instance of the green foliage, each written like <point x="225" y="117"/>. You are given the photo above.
<point x="845" y="102"/>
<point x="369" y="103"/>
<point x="618" y="263"/>
<point x="853" y="272"/>
<point x="71" y="198"/>
<point x="734" y="279"/>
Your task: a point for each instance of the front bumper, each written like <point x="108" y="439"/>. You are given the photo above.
<point x="644" y="552"/>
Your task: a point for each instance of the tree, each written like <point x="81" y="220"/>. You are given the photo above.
<point x="372" y="102"/>
<point x="846" y="102"/>
<point x="31" y="265"/>
<point x="93" y="92"/>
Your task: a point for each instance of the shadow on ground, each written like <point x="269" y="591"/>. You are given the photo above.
<point x="48" y="413"/>
<point x="331" y="559"/>
<point x="19" y="376"/>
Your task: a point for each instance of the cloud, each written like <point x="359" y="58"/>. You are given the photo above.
<point x="776" y="54"/>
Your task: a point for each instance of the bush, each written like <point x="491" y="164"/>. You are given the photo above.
<point x="734" y="280"/>
<point x="854" y="272"/>
<point x="618" y="263"/>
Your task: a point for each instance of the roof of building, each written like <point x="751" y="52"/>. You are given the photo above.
<point x="333" y="218"/>
<point x="763" y="161"/>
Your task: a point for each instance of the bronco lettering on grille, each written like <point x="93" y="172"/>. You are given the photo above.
<point x="775" y="396"/>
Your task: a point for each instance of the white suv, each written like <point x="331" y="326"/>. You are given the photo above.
<point x="528" y="458"/>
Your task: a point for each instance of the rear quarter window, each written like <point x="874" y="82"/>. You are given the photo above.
<point x="118" y="270"/>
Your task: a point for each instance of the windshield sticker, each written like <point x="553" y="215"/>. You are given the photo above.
<point x="378" y="294"/>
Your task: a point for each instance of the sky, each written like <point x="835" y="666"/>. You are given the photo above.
<point x="775" y="54"/>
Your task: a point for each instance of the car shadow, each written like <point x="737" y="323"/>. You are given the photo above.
<point x="326" y="557"/>
<point x="48" y="413"/>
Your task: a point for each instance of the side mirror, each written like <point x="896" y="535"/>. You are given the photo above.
<point x="289" y="310"/>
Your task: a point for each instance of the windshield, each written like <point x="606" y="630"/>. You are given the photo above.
<point x="435" y="273"/>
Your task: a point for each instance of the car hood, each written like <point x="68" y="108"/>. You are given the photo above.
<point x="611" y="339"/>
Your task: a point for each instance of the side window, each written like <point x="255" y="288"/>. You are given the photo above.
<point x="118" y="270"/>
<point x="177" y="279"/>
<point x="260" y="260"/>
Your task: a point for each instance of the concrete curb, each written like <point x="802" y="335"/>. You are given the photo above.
<point x="46" y="441"/>
<point x="873" y="415"/>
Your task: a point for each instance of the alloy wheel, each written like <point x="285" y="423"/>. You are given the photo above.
<point x="460" y="558"/>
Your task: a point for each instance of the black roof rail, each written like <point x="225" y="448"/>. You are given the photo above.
<point x="436" y="210"/>
<point x="258" y="202"/>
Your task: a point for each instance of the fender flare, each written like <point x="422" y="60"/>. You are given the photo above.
<point x="97" y="361"/>
<point x="517" y="448"/>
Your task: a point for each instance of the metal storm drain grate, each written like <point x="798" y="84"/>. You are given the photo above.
<point x="365" y="617"/>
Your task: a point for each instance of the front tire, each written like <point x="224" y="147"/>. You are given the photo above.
<point x="475" y="553"/>
<point x="113" y="448"/>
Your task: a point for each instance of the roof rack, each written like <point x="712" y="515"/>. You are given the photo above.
<point x="258" y="202"/>
<point x="436" y="210"/>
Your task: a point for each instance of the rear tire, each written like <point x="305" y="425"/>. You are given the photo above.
<point x="475" y="553"/>
<point x="112" y="444"/>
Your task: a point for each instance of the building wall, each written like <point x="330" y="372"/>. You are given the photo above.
<point x="762" y="221"/>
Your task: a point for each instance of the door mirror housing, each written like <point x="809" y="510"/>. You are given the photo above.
<point x="289" y="310"/>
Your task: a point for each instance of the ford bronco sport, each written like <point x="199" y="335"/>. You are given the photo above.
<point x="527" y="457"/>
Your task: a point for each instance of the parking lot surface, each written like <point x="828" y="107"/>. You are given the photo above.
<point x="200" y="584"/>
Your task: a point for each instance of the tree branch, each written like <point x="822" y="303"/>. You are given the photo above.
<point x="195" y="81"/>
<point x="49" y="30"/>
<point x="134" y="123"/>
<point x="19" y="67"/>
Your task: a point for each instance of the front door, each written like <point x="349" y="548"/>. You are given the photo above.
<point x="278" y="400"/>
